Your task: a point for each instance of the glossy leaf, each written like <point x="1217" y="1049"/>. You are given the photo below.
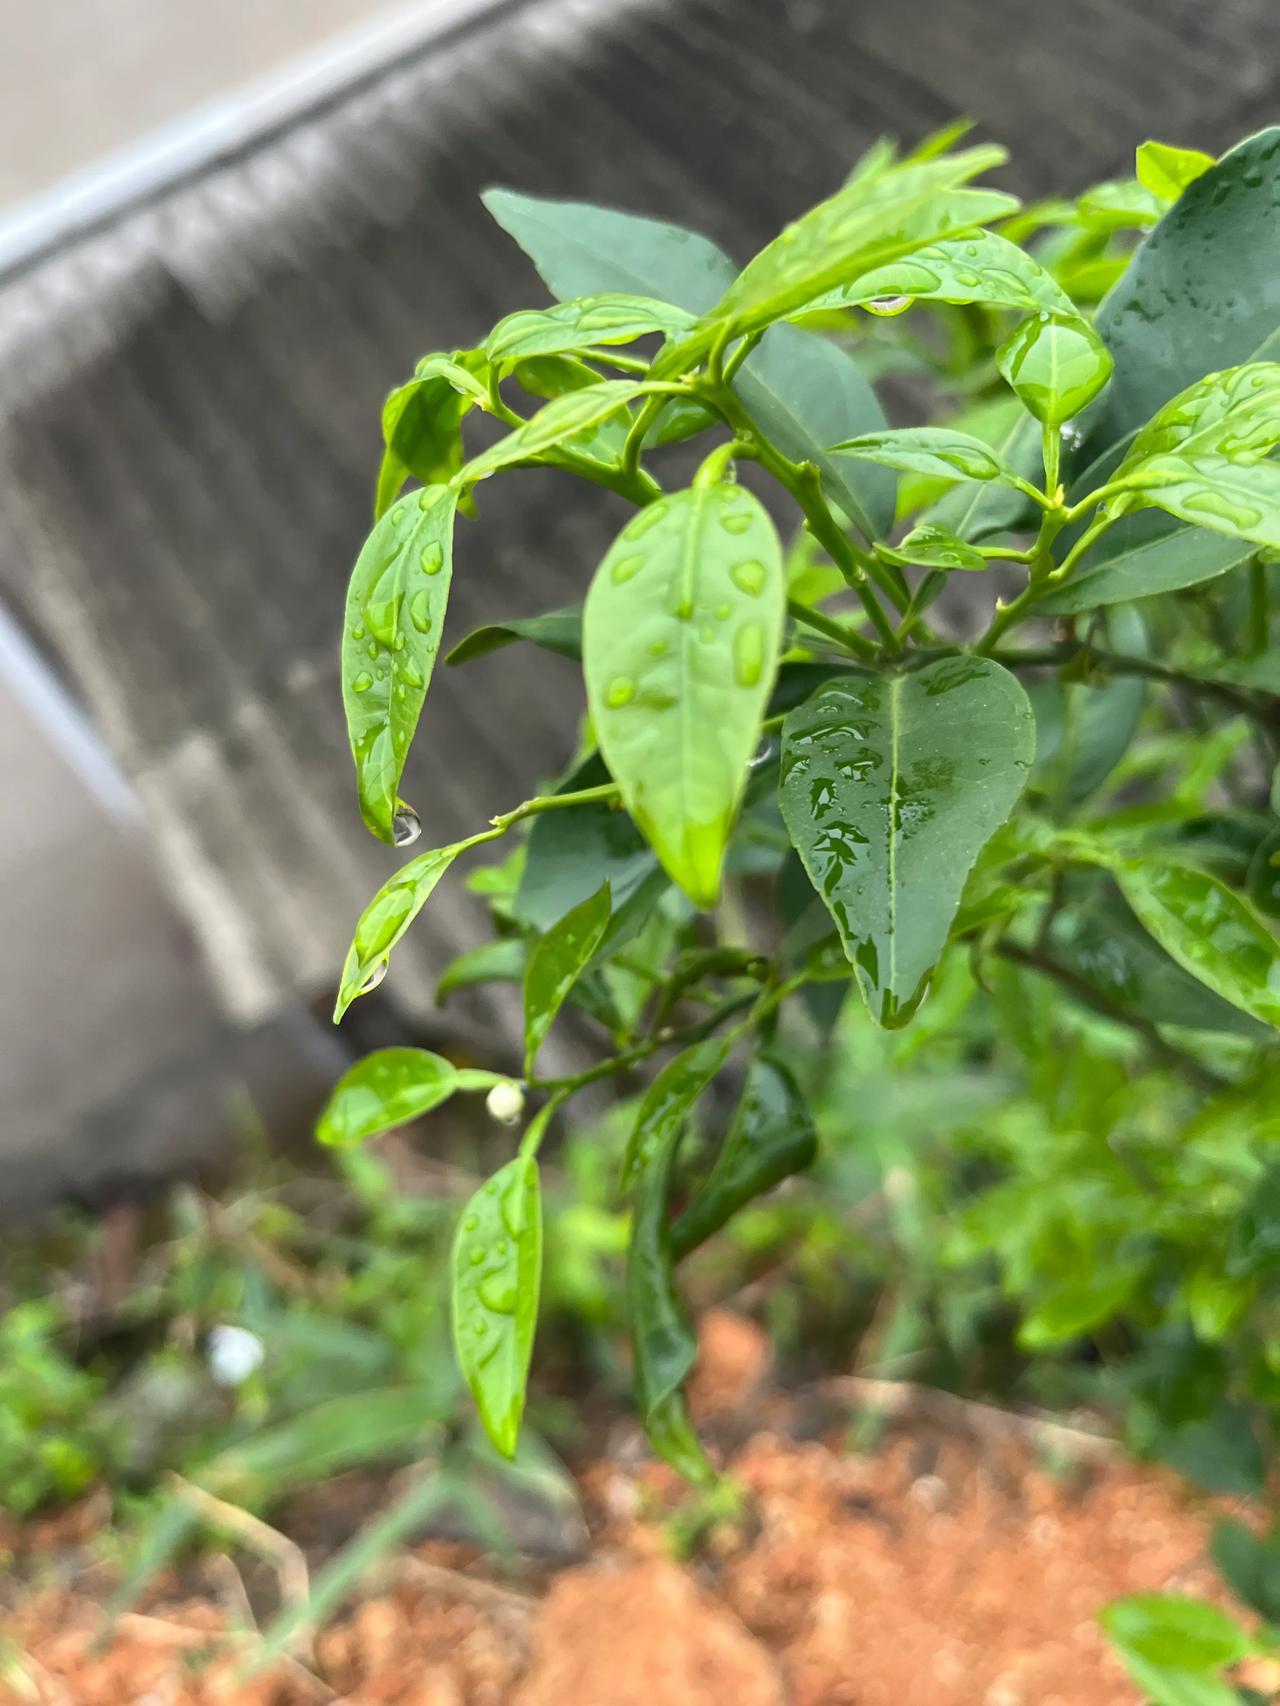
<point x="604" y="319"/>
<point x="1213" y="492"/>
<point x="386" y="918"/>
<point x="803" y="391"/>
<point x="556" y="962"/>
<point x="874" y="219"/>
<point x="1170" y="1629"/>
<point x="395" y="614"/>
<point x="1166" y="171"/>
<point x="558" y="631"/>
<point x="497" y="1272"/>
<point x="1143" y="554"/>
<point x="890" y="788"/>
<point x="1209" y="930"/>
<point x="665" y="1347"/>
<point x="930" y="546"/>
<point x="681" y="633"/>
<point x="558" y="422"/>
<point x="1056" y="363"/>
<point x="385" y="1089"/>
<point x="936" y="451"/>
<point x="668" y="1102"/>
<point x="770" y="1138"/>
<point x="984" y="267"/>
<point x="1120" y="204"/>
<point x="422" y="428"/>
<point x="1202" y="293"/>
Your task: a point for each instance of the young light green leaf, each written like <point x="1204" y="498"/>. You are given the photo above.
<point x="558" y="631"/>
<point x="1235" y="413"/>
<point x="801" y="390"/>
<point x="890" y="788"/>
<point x="497" y="1272"/>
<point x="500" y="961"/>
<point x="668" y="1102"/>
<point x="1120" y="204"/>
<point x="1210" y="491"/>
<point x="873" y="220"/>
<point x="395" y="613"/>
<point x="388" y="915"/>
<point x="771" y="1137"/>
<point x="931" y="450"/>
<point x="556" y="961"/>
<point x="664" y="1343"/>
<point x="1166" y="171"/>
<point x="385" y="1089"/>
<point x="1209" y="930"/>
<point x="681" y="633"/>
<point x="566" y="417"/>
<point x="422" y="427"/>
<point x="1056" y="363"/>
<point x="578" y="325"/>
<point x="930" y="546"/>
<point x="984" y="267"/>
<point x="1171" y="1629"/>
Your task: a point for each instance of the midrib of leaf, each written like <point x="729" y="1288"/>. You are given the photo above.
<point x="688" y="571"/>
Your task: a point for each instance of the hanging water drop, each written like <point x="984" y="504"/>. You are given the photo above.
<point x="406" y="826"/>
<point x="887" y="306"/>
<point x="361" y="683"/>
<point x="374" y="978"/>
<point x="620" y="691"/>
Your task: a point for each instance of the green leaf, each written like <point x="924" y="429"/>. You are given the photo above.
<point x="1201" y="293"/>
<point x="501" y="961"/>
<point x="556" y="962"/>
<point x="564" y="418"/>
<point x="395" y="613"/>
<point x="558" y="631"/>
<point x="936" y="451"/>
<point x="801" y="390"/>
<point x="668" y="1102"/>
<point x="681" y="633"/>
<point x="1171" y="1629"/>
<point x="607" y="318"/>
<point x="1143" y="554"/>
<point x="1121" y="204"/>
<point x="385" y="1089"/>
<point x="1084" y="729"/>
<point x="665" y="1347"/>
<point x="422" y="427"/>
<point x="1209" y="930"/>
<point x="497" y="1271"/>
<point x="1250" y="1566"/>
<point x="388" y="915"/>
<point x="1166" y="171"/>
<point x="1056" y="363"/>
<point x="874" y="219"/>
<point x="984" y="267"/>
<point x="1073" y="1306"/>
<point x="771" y="1137"/>
<point x="930" y="546"/>
<point x="890" y="788"/>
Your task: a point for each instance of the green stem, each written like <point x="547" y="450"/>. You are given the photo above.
<point x="1116" y="663"/>
<point x="843" y="636"/>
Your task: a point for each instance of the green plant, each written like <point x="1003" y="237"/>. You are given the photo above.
<point x="51" y="1444"/>
<point x="795" y="779"/>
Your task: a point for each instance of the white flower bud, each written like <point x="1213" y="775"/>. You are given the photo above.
<point x="234" y="1354"/>
<point x="505" y="1102"/>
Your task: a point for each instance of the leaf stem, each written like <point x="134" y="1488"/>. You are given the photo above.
<point x="844" y="636"/>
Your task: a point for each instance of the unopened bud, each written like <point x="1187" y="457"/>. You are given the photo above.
<point x="505" y="1102"/>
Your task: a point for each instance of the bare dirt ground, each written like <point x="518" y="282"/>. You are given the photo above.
<point x="947" y="1568"/>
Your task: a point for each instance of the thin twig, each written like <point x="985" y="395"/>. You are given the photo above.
<point x="285" y="1555"/>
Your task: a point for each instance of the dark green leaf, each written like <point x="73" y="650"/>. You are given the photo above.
<point x="501" y="961"/>
<point x="771" y="1137"/>
<point x="383" y="1090"/>
<point x="681" y="633"/>
<point x="607" y="318"/>
<point x="1250" y="1565"/>
<point x="556" y="962"/>
<point x="664" y="1343"/>
<point x="497" y="1271"/>
<point x="890" y="788"/>
<point x="668" y="1102"/>
<point x="1209" y="930"/>
<point x="1142" y="554"/>
<point x="558" y="631"/>
<point x="1083" y="729"/>
<point x="1056" y="363"/>
<point x="930" y="450"/>
<point x="395" y="614"/>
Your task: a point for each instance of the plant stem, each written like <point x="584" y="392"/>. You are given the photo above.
<point x="844" y="636"/>
<point x="1116" y="663"/>
<point x="1259" y="607"/>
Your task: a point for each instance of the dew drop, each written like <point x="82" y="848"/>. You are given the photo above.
<point x="361" y="683"/>
<point x="684" y="610"/>
<point x="410" y="673"/>
<point x="397" y="517"/>
<point x="723" y="612"/>
<point x="888" y="305"/>
<point x="748" y="654"/>
<point x="420" y="611"/>
<point x="620" y="691"/>
<point x="471" y="1223"/>
<point x="749" y="577"/>
<point x="357" y="633"/>
<point x="406" y="826"/>
<point x="372" y="648"/>
<point x="736" y="521"/>
<point x="432" y="559"/>
<point x="424" y="500"/>
<point x="498" y="1293"/>
<point x="375" y="977"/>
<point x="625" y="569"/>
<point x="476" y="1257"/>
<point x="647" y="518"/>
<point x="658" y="648"/>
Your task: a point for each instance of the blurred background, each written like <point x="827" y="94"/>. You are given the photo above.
<point x="225" y="232"/>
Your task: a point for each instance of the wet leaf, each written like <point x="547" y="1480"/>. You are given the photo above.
<point x="668" y="1102"/>
<point x="556" y="962"/>
<point x="558" y="631"/>
<point x="890" y="788"/>
<point x="1056" y="363"/>
<point x="563" y="419"/>
<point x="577" y="325"/>
<point x="936" y="451"/>
<point x="770" y="1138"/>
<point x="681" y="633"/>
<point x="385" y="1089"/>
<point x="1209" y="930"/>
<point x="1142" y="554"/>
<point x="497" y="1272"/>
<point x="395" y="615"/>
<point x="422" y="427"/>
<point x="984" y="267"/>
<point x="930" y="546"/>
